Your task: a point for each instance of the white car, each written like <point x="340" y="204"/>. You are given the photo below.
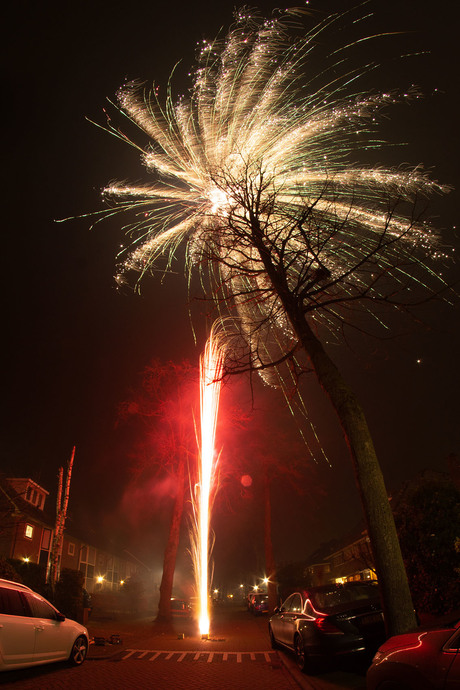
<point x="33" y="632"/>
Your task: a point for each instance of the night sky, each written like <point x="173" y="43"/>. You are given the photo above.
<point x="76" y="347"/>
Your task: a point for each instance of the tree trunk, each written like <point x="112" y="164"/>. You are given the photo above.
<point x="169" y="562"/>
<point x="392" y="578"/>
<point x="394" y="587"/>
<point x="270" y="567"/>
<point x="61" y="517"/>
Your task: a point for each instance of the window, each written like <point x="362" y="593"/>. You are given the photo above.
<point x="71" y="549"/>
<point x="453" y="645"/>
<point x="40" y="607"/>
<point x="87" y="563"/>
<point x="296" y="604"/>
<point x="293" y="604"/>
<point x="12" y="603"/>
<point x="46" y="539"/>
<point x="29" y="531"/>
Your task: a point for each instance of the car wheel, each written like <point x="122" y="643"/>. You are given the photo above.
<point x="301" y="656"/>
<point x="273" y="642"/>
<point x="79" y="651"/>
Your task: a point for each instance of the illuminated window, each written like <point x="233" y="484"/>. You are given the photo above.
<point x="71" y="549"/>
<point x="29" y="531"/>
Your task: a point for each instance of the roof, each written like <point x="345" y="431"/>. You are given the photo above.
<point x="12" y="500"/>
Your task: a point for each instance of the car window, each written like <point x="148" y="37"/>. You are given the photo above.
<point x="454" y="643"/>
<point x="12" y="603"/>
<point x="40" y="607"/>
<point x="329" y="599"/>
<point x="293" y="604"/>
<point x="296" y="605"/>
<point x="286" y="604"/>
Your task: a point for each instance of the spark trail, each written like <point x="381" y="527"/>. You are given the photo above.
<point x="263" y="133"/>
<point x="211" y="368"/>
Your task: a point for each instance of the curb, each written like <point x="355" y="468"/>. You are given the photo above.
<point x="296" y="675"/>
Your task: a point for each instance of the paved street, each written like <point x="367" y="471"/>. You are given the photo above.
<point x="237" y="655"/>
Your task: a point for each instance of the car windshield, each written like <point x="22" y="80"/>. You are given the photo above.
<point x="330" y="599"/>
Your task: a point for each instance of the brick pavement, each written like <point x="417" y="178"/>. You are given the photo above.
<point x="237" y="653"/>
<point x="237" y="656"/>
<point x="232" y="630"/>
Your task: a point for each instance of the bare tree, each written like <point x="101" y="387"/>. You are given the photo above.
<point x="286" y="270"/>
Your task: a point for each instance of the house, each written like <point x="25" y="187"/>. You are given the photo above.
<point x="352" y="561"/>
<point x="346" y="560"/>
<point x="26" y="531"/>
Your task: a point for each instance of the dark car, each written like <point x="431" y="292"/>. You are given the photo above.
<point x="326" y="622"/>
<point x="258" y="603"/>
<point x="427" y="659"/>
<point x="180" y="607"/>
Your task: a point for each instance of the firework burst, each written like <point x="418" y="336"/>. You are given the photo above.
<point x="257" y="127"/>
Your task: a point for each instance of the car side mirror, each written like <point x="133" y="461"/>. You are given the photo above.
<point x="60" y="616"/>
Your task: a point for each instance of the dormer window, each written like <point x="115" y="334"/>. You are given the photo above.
<point x="34" y="496"/>
<point x="30" y="491"/>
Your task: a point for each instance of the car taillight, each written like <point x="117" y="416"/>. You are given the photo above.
<point x="325" y="626"/>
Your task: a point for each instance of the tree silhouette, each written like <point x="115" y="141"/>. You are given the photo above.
<point x="427" y="515"/>
<point x="286" y="289"/>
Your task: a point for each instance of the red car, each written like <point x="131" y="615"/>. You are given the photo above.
<point x="427" y="659"/>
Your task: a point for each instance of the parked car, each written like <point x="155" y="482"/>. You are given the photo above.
<point x="33" y="631"/>
<point x="258" y="604"/>
<point x="248" y="600"/>
<point x="180" y="607"/>
<point x="329" y="621"/>
<point x="426" y="659"/>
